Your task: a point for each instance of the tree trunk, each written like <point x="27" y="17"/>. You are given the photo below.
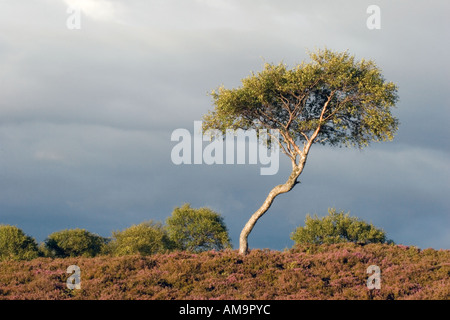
<point x="282" y="188"/>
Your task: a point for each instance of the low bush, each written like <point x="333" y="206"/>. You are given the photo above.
<point x="145" y="238"/>
<point x="197" y="230"/>
<point x="337" y="227"/>
<point x="74" y="242"/>
<point x="16" y="245"/>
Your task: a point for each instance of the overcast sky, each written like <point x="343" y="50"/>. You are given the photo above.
<point x="86" y="115"/>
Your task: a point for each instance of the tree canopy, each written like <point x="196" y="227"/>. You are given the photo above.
<point x="333" y="100"/>
<point x="197" y="230"/>
<point x="73" y="243"/>
<point x="145" y="238"/>
<point x="16" y="245"/>
<point x="337" y="227"/>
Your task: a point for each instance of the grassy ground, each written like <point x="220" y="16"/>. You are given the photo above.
<point x="307" y="272"/>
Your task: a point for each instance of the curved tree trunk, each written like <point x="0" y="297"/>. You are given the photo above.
<point x="282" y="188"/>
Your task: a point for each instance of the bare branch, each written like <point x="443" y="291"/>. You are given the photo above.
<point x="338" y="108"/>
<point x="304" y="135"/>
<point x="316" y="132"/>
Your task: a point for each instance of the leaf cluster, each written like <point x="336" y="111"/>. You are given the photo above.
<point x="16" y="245"/>
<point x="197" y="230"/>
<point x="145" y="238"/>
<point x="337" y="227"/>
<point x="73" y="243"/>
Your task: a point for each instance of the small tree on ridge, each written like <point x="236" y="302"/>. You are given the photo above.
<point x="333" y="100"/>
<point x="197" y="230"/>
<point x="74" y="243"/>
<point x="16" y="245"/>
<point x="145" y="238"/>
<point x="337" y="227"/>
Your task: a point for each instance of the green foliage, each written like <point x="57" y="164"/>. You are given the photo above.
<point x="197" y="229"/>
<point x="337" y="227"/>
<point x="16" y="245"/>
<point x="145" y="238"/>
<point x="347" y="101"/>
<point x="74" y="243"/>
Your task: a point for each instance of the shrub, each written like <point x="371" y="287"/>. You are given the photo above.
<point x="336" y="228"/>
<point x="197" y="230"/>
<point x="146" y="238"/>
<point x="16" y="245"/>
<point x="74" y="243"/>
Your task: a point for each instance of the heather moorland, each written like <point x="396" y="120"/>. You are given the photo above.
<point x="326" y="271"/>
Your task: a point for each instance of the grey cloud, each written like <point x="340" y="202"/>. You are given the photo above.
<point x="86" y="115"/>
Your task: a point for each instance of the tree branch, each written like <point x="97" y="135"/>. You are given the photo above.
<point x="316" y="132"/>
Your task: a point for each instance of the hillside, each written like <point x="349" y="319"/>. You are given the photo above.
<point x="307" y="272"/>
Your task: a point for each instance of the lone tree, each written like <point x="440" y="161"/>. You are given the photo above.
<point x="332" y="100"/>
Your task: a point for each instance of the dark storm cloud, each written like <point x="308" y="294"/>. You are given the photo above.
<point x="86" y="115"/>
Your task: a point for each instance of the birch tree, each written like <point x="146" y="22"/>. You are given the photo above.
<point x="331" y="100"/>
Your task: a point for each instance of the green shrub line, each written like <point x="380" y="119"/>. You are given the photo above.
<point x="187" y="229"/>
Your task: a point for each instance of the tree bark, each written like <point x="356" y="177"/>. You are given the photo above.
<point x="289" y="184"/>
<point x="282" y="188"/>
